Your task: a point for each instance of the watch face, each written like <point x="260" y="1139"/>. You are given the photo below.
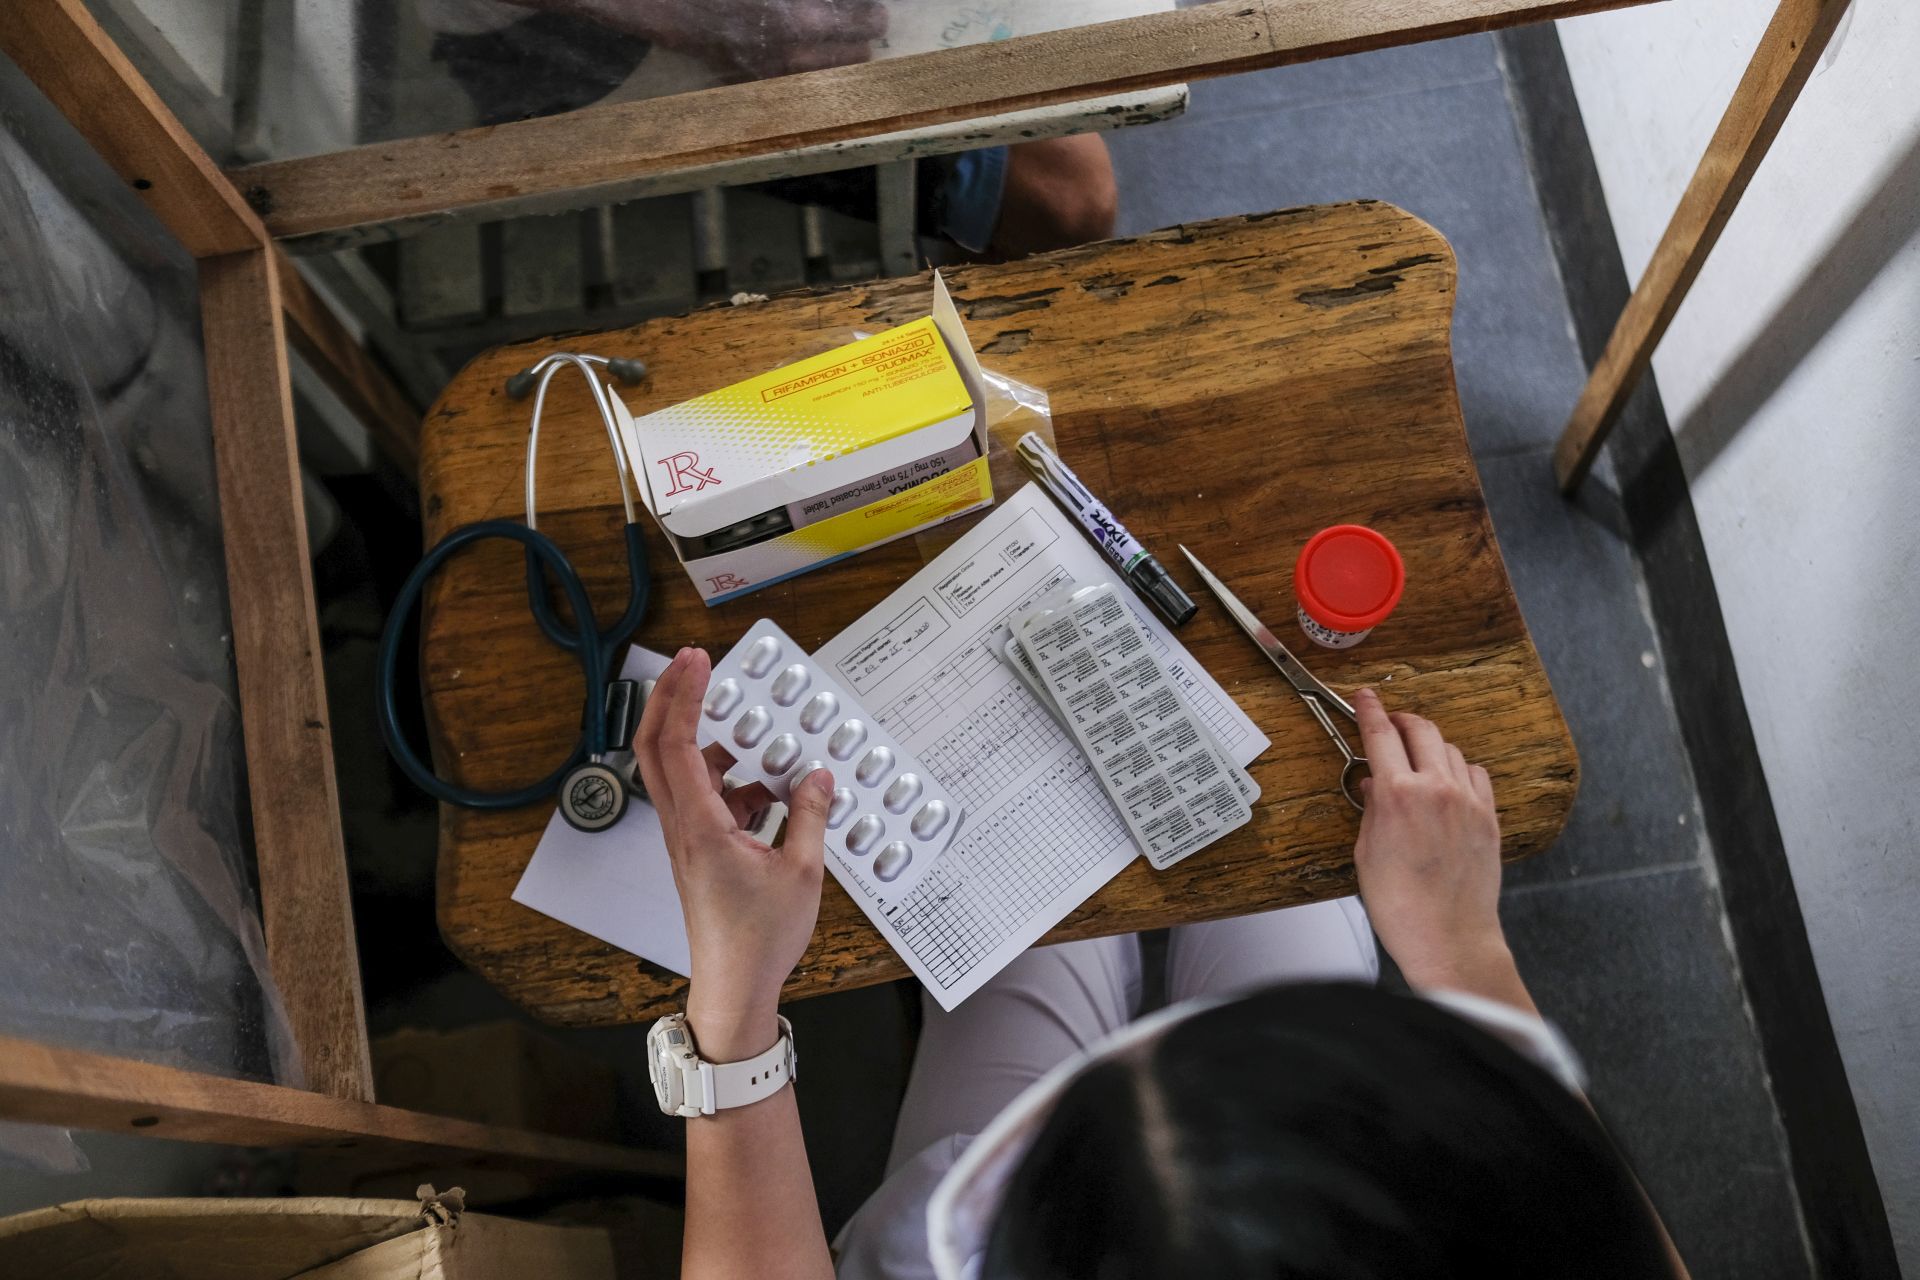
<point x="660" y="1071"/>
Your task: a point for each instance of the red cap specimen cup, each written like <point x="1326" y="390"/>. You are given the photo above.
<point x="1347" y="580"/>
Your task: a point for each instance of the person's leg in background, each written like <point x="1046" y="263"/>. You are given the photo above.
<point x="1059" y="192"/>
<point x="1034" y="1014"/>
<point x="1320" y="942"/>
<point x="1000" y="202"/>
<point x="1027" y="198"/>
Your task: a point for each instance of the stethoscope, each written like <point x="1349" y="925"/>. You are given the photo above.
<point x="592" y="792"/>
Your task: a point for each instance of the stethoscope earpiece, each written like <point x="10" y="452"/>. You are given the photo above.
<point x="628" y="369"/>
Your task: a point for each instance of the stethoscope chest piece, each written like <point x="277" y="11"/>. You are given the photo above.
<point x="592" y="797"/>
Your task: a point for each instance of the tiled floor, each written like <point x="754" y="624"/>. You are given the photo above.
<point x="1619" y="927"/>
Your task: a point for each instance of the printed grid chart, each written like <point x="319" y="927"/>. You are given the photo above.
<point x="1004" y="736"/>
<point x="1006" y="866"/>
<point x="926" y="705"/>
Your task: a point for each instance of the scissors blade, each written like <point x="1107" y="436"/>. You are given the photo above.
<point x="1302" y="680"/>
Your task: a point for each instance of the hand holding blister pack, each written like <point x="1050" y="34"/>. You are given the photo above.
<point x="781" y="716"/>
<point x="1174" y="786"/>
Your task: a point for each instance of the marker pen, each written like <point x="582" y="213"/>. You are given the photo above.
<point x="1134" y="561"/>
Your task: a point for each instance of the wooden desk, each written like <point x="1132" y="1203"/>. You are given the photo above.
<point x="1232" y="385"/>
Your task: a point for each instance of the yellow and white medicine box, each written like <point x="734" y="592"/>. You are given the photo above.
<point x="815" y="461"/>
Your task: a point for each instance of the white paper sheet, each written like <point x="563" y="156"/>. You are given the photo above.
<point x="617" y="884"/>
<point x="1039" y="835"/>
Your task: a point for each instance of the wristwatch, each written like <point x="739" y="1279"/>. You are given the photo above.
<point x="688" y="1085"/>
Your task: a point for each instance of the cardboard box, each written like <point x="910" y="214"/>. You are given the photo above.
<point x="821" y="459"/>
<point x="313" y="1239"/>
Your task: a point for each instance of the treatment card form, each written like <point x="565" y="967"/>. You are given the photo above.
<point x="1040" y="835"/>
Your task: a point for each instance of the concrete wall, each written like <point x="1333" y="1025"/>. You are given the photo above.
<point x="1792" y="379"/>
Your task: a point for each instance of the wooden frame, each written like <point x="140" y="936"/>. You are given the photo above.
<point x="253" y="302"/>
<point x="600" y="146"/>
<point x="1789" y="50"/>
<point x="43" y="1083"/>
<point x="247" y="299"/>
<point x="276" y="651"/>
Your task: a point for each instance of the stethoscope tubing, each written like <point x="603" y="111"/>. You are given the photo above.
<point x="593" y="737"/>
<point x="592" y="648"/>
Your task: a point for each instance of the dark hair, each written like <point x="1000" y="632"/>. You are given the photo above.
<point x="1316" y="1131"/>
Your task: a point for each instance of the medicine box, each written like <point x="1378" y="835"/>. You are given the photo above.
<point x="815" y="461"/>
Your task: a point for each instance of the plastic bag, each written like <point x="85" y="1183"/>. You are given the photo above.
<point x="1013" y="409"/>
<point x="127" y="921"/>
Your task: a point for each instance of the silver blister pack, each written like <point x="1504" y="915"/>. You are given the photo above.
<point x="781" y="716"/>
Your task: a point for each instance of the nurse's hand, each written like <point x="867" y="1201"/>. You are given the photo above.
<point x="750" y="907"/>
<point x="1428" y="857"/>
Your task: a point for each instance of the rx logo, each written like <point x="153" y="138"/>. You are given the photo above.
<point x="726" y="582"/>
<point x="686" y="474"/>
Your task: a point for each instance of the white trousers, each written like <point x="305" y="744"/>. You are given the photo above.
<point x="1053" y="1002"/>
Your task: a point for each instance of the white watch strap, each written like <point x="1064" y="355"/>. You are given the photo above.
<point x="736" y="1084"/>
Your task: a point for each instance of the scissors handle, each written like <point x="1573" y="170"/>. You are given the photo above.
<point x="1318" y="697"/>
<point x="1352" y="762"/>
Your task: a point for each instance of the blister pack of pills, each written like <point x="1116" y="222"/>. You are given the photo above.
<point x="1023" y="671"/>
<point x="1176" y="788"/>
<point x="781" y="716"/>
<point x="1029" y="676"/>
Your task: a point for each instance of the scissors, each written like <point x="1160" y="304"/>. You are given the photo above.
<point x="1317" y="696"/>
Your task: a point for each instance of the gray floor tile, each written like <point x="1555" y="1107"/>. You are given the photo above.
<point x="1579" y="590"/>
<point x="1636" y="972"/>
<point x="1386" y="72"/>
<point x="1517" y="369"/>
<point x="1447" y="154"/>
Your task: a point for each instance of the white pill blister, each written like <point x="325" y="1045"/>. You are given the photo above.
<point x="751" y="727"/>
<point x="846" y="739"/>
<point x="820" y="713"/>
<point x="781" y="754"/>
<point x="722" y="697"/>
<point x="790" y="684"/>
<point x="781" y="717"/>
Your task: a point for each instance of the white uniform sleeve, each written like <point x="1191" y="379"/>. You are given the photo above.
<point x="886" y="1239"/>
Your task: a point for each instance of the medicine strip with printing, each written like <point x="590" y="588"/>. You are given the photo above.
<point x="781" y="716"/>
<point x="1029" y="677"/>
<point x="1163" y="769"/>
